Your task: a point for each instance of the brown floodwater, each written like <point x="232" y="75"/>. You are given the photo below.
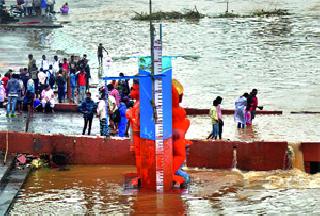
<point x="100" y="190"/>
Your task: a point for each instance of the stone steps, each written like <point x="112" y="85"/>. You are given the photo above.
<point x="5" y="167"/>
<point x="11" y="181"/>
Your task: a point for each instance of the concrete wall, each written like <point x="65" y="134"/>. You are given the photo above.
<point x="97" y="150"/>
<point x="80" y="149"/>
<point x="250" y="156"/>
<point x="311" y="153"/>
<point x="65" y="107"/>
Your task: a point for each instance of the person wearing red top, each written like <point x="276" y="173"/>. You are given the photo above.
<point x="82" y="81"/>
<point x="253" y="103"/>
<point x="65" y="65"/>
<point x="6" y="78"/>
<point x="66" y="74"/>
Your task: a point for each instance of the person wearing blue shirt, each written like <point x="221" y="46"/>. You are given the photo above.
<point x="73" y="85"/>
<point x="87" y="107"/>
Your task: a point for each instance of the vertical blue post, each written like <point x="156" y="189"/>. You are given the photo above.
<point x="107" y="107"/>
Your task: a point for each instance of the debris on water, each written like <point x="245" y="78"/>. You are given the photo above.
<point x="255" y="14"/>
<point x="173" y="15"/>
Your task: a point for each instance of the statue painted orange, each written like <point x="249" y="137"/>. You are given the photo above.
<point x="180" y="125"/>
<point x="133" y="115"/>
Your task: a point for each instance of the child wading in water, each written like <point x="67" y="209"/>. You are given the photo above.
<point x="215" y="121"/>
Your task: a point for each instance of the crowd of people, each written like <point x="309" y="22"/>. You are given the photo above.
<point x="38" y="80"/>
<point x="245" y="110"/>
<point x="118" y="103"/>
<point x="36" y="7"/>
<point x="30" y="8"/>
<point x="33" y="89"/>
<point x="45" y="82"/>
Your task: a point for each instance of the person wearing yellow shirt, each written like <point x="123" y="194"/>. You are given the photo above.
<point x="214" y="120"/>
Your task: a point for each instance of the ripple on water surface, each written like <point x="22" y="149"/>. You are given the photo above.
<point x="99" y="190"/>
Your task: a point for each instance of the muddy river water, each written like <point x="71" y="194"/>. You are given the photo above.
<point x="99" y="190"/>
<point x="227" y="57"/>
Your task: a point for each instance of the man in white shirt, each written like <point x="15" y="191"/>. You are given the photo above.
<point x="101" y="114"/>
<point x="55" y="64"/>
<point x="44" y="63"/>
<point x="47" y="96"/>
<point x="42" y="79"/>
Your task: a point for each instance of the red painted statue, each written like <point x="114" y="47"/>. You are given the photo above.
<point x="133" y="115"/>
<point x="180" y="125"/>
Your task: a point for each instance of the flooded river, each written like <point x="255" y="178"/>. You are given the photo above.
<point x="227" y="57"/>
<point x="99" y="190"/>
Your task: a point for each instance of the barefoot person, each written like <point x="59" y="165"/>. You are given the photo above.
<point x="100" y="53"/>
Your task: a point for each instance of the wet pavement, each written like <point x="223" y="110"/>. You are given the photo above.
<point x="48" y="123"/>
<point x="286" y="127"/>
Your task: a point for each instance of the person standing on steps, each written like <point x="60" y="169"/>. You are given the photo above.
<point x="214" y="120"/>
<point x="87" y="107"/>
<point x="100" y="53"/>
<point x="13" y="89"/>
<point x="219" y="112"/>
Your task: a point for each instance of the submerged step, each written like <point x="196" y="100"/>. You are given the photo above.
<point x="10" y="188"/>
<point x="5" y="167"/>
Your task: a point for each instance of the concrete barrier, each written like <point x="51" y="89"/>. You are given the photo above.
<point x="98" y="150"/>
<point x="311" y="155"/>
<point x="259" y="156"/>
<point x="195" y="111"/>
<point x="66" y="107"/>
<point x="79" y="149"/>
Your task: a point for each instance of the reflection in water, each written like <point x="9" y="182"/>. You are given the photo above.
<point x="247" y="133"/>
<point x="150" y="203"/>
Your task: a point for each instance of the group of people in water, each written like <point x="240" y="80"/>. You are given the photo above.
<point x="245" y="111"/>
<point x="245" y="108"/>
